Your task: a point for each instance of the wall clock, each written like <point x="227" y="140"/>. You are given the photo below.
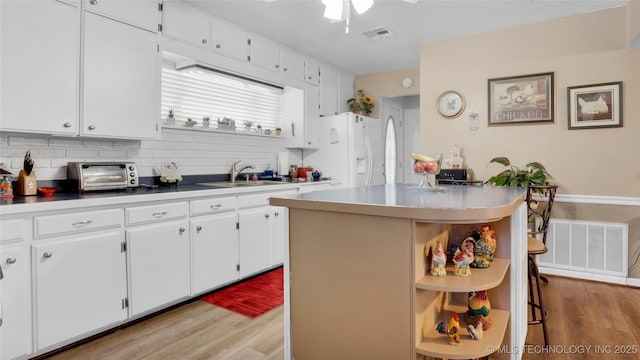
<point x="450" y="104"/>
<point x="407" y="82"/>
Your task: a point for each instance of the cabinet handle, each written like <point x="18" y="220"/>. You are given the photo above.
<point x="93" y="2"/>
<point x="182" y="230"/>
<point x="218" y="46"/>
<point x="11" y="260"/>
<point x="47" y="255"/>
<point x="204" y="41"/>
<point x="67" y="124"/>
<point x="159" y="214"/>
<point x="91" y="127"/>
<point x="266" y="216"/>
<point x="199" y="228"/>
<point x="215" y="207"/>
<point x="276" y="214"/>
<point x="285" y="69"/>
<point x="81" y="223"/>
<point x="277" y="66"/>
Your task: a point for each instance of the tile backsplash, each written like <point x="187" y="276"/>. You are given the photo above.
<point x="195" y="152"/>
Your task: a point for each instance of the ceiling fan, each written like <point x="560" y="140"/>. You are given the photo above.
<point x="340" y="10"/>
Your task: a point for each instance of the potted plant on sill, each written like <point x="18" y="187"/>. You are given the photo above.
<point x="171" y="120"/>
<point x="534" y="173"/>
<point x="278" y="131"/>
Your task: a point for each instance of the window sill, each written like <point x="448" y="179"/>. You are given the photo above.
<point x="237" y="131"/>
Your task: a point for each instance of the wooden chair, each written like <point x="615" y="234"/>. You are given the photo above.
<point x="539" y="202"/>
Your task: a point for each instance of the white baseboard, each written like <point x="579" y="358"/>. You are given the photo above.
<point x="633" y="282"/>
<point x="588" y="276"/>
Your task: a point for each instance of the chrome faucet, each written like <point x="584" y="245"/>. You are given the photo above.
<point x="234" y="172"/>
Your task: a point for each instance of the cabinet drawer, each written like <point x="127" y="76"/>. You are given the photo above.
<point x="213" y="206"/>
<point x="154" y="213"/>
<point x="77" y="222"/>
<point x="12" y="230"/>
<point x="262" y="199"/>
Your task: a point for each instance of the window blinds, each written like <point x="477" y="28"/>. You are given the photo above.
<point x="197" y="93"/>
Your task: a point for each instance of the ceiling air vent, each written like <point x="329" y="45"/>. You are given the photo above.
<point x="379" y="33"/>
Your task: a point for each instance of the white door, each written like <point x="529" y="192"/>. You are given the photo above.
<point x="214" y="251"/>
<point x="15" y="332"/>
<point x="255" y="240"/>
<point x="392" y="129"/>
<point x="80" y="285"/>
<point x="158" y="265"/>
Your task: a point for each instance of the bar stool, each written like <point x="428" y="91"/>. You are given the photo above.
<point x="539" y="202"/>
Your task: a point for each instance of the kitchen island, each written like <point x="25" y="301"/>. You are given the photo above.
<point x="360" y="287"/>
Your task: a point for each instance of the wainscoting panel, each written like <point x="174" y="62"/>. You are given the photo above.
<point x="587" y="250"/>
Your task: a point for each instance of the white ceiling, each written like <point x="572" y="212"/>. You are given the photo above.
<point x="299" y="24"/>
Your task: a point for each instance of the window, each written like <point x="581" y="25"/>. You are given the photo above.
<point x="199" y="92"/>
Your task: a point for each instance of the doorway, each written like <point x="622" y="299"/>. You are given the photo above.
<point x="401" y="131"/>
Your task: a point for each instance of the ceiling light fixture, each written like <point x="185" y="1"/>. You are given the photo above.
<point x="340" y="10"/>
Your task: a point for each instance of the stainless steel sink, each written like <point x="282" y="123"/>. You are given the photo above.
<point x="241" y="183"/>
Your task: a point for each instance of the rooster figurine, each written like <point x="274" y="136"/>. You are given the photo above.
<point x="593" y="107"/>
<point x="462" y="259"/>
<point x="488" y="236"/>
<point x="452" y="330"/>
<point x="478" y="309"/>
<point x="438" y="261"/>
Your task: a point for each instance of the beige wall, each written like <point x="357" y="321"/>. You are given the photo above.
<point x="585" y="49"/>
<point x="633" y="24"/>
<point x="388" y="84"/>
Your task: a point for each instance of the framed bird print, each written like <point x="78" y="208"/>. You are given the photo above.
<point x="525" y="99"/>
<point x="595" y="106"/>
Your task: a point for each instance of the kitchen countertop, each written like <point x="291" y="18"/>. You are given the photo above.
<point x="65" y="200"/>
<point x="453" y="204"/>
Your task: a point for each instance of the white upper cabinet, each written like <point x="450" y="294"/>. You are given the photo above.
<point x="292" y="64"/>
<point x="345" y="91"/>
<point x="142" y="13"/>
<point x="186" y="24"/>
<point x="264" y="53"/>
<point x="312" y="72"/>
<point x="39" y="49"/>
<point x="121" y="82"/>
<point x="229" y="40"/>
<point x="328" y="91"/>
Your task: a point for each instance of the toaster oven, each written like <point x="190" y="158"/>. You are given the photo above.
<point x="90" y="176"/>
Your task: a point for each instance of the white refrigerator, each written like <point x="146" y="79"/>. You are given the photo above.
<point x="351" y="150"/>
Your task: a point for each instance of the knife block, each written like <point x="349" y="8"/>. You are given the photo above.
<point x="27" y="184"/>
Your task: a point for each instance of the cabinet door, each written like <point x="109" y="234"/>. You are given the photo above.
<point x="121" y="80"/>
<point x="264" y="53"/>
<point x="312" y="116"/>
<point x="142" y="13"/>
<point x="279" y="233"/>
<point x="229" y="41"/>
<point x="158" y="265"/>
<point x="15" y="332"/>
<point x="214" y="252"/>
<point x="345" y="92"/>
<point x="328" y="91"/>
<point x="255" y="243"/>
<point x="39" y="50"/>
<point x="186" y="24"/>
<point x="80" y="285"/>
<point x="312" y="72"/>
<point x="292" y="64"/>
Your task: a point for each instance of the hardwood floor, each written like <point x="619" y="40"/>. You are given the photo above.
<point x="197" y="330"/>
<point x="582" y="315"/>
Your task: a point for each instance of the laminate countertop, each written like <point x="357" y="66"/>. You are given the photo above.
<point x="451" y="204"/>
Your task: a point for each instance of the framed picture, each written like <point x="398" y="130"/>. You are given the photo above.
<point x="522" y="99"/>
<point x="595" y="106"/>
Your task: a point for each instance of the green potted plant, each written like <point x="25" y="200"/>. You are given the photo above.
<point x="534" y="173"/>
<point x="171" y="120"/>
<point x="278" y="131"/>
<point x="206" y="121"/>
<point x="361" y="104"/>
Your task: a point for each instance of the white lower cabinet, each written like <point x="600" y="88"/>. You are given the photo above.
<point x="158" y="265"/>
<point x="214" y="251"/>
<point x="279" y="233"/>
<point x="15" y="293"/>
<point x="80" y="284"/>
<point x="255" y="240"/>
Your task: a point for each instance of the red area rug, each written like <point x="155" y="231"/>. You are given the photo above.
<point x="252" y="297"/>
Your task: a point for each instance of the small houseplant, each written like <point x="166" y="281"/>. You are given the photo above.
<point x="534" y="173"/>
<point x="361" y="104"/>
<point x="278" y="131"/>
<point x="171" y="120"/>
<point x="206" y="121"/>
